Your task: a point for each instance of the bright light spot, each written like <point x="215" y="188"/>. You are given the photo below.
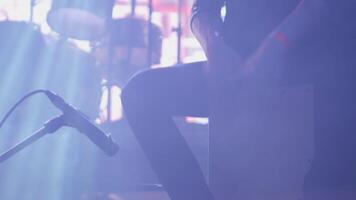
<point x="197" y="120"/>
<point x="116" y="107"/>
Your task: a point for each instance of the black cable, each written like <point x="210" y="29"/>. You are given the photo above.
<point x="7" y="115"/>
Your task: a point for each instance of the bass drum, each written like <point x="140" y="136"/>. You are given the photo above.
<point x="130" y="41"/>
<point x="83" y="19"/>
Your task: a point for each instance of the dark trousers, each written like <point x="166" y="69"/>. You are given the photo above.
<point x="150" y="100"/>
<point x="153" y="97"/>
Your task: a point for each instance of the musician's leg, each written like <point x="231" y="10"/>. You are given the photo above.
<point x="150" y="100"/>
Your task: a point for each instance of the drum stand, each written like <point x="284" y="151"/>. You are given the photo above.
<point x="179" y="32"/>
<point x="32" y="6"/>
<point x="109" y="84"/>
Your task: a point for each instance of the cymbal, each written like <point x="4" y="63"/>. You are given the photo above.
<point x="84" y="19"/>
<point x="77" y="24"/>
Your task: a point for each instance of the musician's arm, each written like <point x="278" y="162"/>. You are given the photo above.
<point x="296" y="26"/>
<point x="206" y="20"/>
<point x="206" y="24"/>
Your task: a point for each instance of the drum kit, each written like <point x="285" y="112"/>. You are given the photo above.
<point x="116" y="43"/>
<point x="119" y="47"/>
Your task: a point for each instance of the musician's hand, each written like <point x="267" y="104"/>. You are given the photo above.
<point x="222" y="60"/>
<point x="224" y="63"/>
<point x="223" y="66"/>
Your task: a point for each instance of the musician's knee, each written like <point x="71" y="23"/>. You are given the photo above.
<point x="134" y="94"/>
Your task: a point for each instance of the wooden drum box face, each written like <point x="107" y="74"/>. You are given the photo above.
<point x="264" y="147"/>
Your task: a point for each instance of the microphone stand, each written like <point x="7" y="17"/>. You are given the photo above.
<point x="50" y="126"/>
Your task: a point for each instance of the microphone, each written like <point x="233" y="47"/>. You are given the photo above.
<point x="76" y="119"/>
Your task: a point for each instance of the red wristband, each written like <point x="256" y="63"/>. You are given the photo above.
<point x="281" y="38"/>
